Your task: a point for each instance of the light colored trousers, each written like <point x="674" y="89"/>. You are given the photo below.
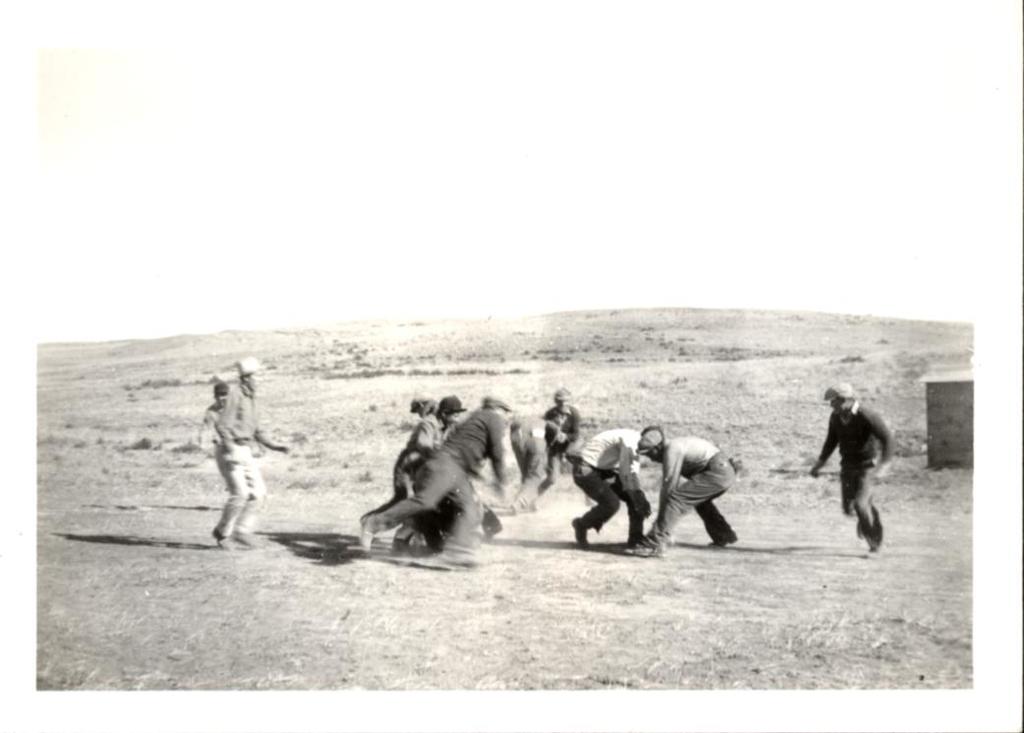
<point x="245" y="488"/>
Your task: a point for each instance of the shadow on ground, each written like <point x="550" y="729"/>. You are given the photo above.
<point x="147" y="507"/>
<point x="325" y="548"/>
<point x="134" y="541"/>
<point x="620" y="548"/>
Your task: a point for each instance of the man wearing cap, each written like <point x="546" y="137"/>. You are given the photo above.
<point x="443" y="495"/>
<point x="694" y="473"/>
<point x="857" y="431"/>
<point x="562" y="429"/>
<point x="238" y="430"/>
<point x="436" y="421"/>
<point x="607" y="469"/>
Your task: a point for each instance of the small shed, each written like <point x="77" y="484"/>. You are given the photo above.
<point x="949" y="397"/>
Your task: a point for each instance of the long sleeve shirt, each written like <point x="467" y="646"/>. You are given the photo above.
<point x="481" y="436"/>
<point x="857" y="437"/>
<point x="426" y="437"/>
<point x="239" y="422"/>
<point x="567" y="423"/>
<point x="615" y="450"/>
<point x="684" y="457"/>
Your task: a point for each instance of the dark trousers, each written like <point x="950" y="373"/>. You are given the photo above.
<point x="856" y="496"/>
<point x="443" y="498"/>
<point x="698" y="492"/>
<point x="606" y="489"/>
<point x="402" y="479"/>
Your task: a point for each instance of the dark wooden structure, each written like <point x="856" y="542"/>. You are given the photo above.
<point x="949" y="396"/>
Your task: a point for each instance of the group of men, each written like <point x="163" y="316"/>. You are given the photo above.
<point x="434" y="503"/>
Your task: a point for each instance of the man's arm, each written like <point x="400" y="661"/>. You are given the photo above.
<point x="263" y="440"/>
<point x="831" y="441"/>
<point x="208" y="430"/>
<point x="628" y="467"/>
<point x="572" y="427"/>
<point x="884" y="436"/>
<point x="225" y="423"/>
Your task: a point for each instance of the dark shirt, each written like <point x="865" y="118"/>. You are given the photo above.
<point x="566" y="422"/>
<point x="858" y="438"/>
<point x="480" y="436"/>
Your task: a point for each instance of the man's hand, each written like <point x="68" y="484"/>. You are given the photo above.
<point x="816" y="468"/>
<point x="882" y="471"/>
<point x="279" y="448"/>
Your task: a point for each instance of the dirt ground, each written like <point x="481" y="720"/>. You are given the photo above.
<point x="134" y="594"/>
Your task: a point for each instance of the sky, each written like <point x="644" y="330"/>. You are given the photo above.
<point x="460" y="160"/>
<point x="192" y="167"/>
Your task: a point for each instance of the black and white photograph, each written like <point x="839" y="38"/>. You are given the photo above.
<point x="508" y="367"/>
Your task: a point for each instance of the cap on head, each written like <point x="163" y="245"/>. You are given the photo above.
<point x="493" y="403"/>
<point x="450" y="404"/>
<point x="563" y="395"/>
<point x="417" y="404"/>
<point x="842" y="391"/>
<point x="650" y="438"/>
<point x="220" y="388"/>
<point x="248" y="365"/>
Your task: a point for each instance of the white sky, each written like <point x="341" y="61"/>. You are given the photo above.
<point x="251" y="165"/>
<point x="425" y="160"/>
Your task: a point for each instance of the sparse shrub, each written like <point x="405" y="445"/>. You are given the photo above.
<point x="365" y="477"/>
<point x="851" y="359"/>
<point x="188" y="447"/>
<point x="299" y="438"/>
<point x="371" y="408"/>
<point x="143" y="444"/>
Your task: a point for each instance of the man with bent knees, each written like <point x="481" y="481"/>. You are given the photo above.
<point x="694" y="473"/>
<point x="607" y="469"/>
<point x="239" y="432"/>
<point x="443" y="494"/>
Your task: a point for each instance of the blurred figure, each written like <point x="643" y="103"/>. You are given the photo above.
<point x="426" y="437"/>
<point x="857" y="431"/>
<point x="694" y="473"/>
<point x="531" y="451"/>
<point x="413" y="533"/>
<point x="607" y="469"/>
<point x="562" y="429"/>
<point x="443" y="497"/>
<point x="238" y="430"/>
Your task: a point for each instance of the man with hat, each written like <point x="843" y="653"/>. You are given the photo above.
<point x="426" y="437"/>
<point x="437" y="422"/>
<point x="443" y="495"/>
<point x="694" y="473"/>
<point x="238" y="430"/>
<point x="562" y="429"/>
<point x="857" y="431"/>
<point x="607" y="469"/>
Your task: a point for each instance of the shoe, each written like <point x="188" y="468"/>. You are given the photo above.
<point x="244" y="539"/>
<point x="729" y="539"/>
<point x="580" y="532"/>
<point x="220" y="537"/>
<point x="647" y="549"/>
<point x="365" y="538"/>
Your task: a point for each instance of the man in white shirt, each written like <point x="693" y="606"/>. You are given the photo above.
<point x="607" y="469"/>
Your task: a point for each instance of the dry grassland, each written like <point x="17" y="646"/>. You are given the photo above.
<point x="133" y="593"/>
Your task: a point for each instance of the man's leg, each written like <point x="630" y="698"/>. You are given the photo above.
<point x="598" y="489"/>
<point x="257" y="492"/>
<point x="234" y="467"/>
<point x="671" y="509"/>
<point x="435" y="479"/>
<point x="869" y="524"/>
<point x="717" y="527"/>
<point x="551" y="468"/>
